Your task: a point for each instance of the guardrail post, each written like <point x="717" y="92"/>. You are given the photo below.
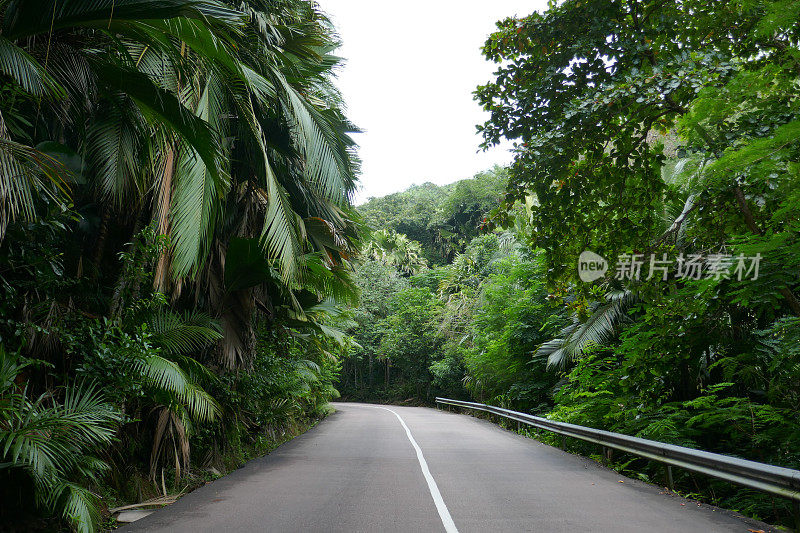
<point x="796" y="508"/>
<point x="670" y="480"/>
<point x="563" y="442"/>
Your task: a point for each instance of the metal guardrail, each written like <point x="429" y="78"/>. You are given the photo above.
<point x="784" y="482"/>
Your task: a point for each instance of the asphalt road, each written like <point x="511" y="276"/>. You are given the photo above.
<point x="411" y="469"/>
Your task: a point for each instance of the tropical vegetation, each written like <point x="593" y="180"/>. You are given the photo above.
<point x="186" y="283"/>
<point x="662" y="137"/>
<point x="176" y="231"/>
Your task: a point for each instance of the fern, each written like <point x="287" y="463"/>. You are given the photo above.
<point x="54" y="443"/>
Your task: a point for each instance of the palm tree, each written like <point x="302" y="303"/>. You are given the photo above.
<point x="397" y="250"/>
<point x="211" y="126"/>
<point x="55" y="443"/>
<point x="175" y="383"/>
<point x="67" y="66"/>
<point x="604" y="322"/>
<point x="226" y="125"/>
<point x="294" y="171"/>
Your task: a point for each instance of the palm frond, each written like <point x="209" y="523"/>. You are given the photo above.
<point x="20" y="66"/>
<point x="54" y="445"/>
<point x="163" y="107"/>
<point x="30" y="17"/>
<point x="168" y="376"/>
<point x="196" y="202"/>
<point x="601" y="326"/>
<point x="325" y="153"/>
<point x="181" y="334"/>
<point x="80" y="507"/>
<point x="25" y="174"/>
<point x="280" y="237"/>
<point x="331" y="281"/>
<point x="114" y="153"/>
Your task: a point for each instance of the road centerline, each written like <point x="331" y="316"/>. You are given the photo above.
<point x="441" y="507"/>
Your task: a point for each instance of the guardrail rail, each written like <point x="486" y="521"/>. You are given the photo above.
<point x="784" y="482"/>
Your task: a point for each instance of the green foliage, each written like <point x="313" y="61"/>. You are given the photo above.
<point x="176" y="229"/>
<point x="409" y="338"/>
<point x="175" y="224"/>
<point x="588" y="149"/>
<point x="470" y="324"/>
<point x="288" y="385"/>
<point x="633" y="132"/>
<point x="55" y="441"/>
<point x="443" y="219"/>
<point x="395" y="249"/>
<point x="513" y="319"/>
<point x="378" y="284"/>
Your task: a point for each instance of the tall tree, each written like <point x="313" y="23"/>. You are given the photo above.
<point x="584" y="89"/>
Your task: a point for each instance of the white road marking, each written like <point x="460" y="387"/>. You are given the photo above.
<point x="444" y="514"/>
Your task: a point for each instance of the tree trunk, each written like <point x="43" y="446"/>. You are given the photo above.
<point x="100" y="243"/>
<point x="116" y="298"/>
<point x="750" y="221"/>
<point x="162" y="206"/>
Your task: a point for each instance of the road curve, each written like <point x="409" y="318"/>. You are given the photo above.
<point x="378" y="469"/>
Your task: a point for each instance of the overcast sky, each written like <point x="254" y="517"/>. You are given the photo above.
<point x="410" y="71"/>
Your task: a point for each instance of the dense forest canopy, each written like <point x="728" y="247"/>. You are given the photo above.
<point x="186" y="283"/>
<point x="175" y="234"/>
<point x="443" y="219"/>
<point x="659" y="140"/>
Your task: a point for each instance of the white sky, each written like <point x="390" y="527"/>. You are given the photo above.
<point x="410" y="71"/>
